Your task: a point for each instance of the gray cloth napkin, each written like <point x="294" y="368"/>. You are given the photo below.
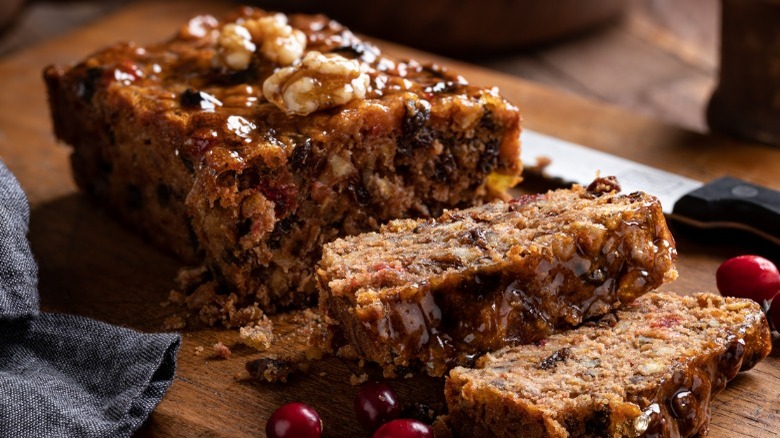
<point x="65" y="375"/>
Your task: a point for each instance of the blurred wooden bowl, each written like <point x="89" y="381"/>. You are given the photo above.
<point x="462" y="27"/>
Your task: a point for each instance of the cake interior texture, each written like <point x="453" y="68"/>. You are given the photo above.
<point x="436" y="293"/>
<point x="246" y="143"/>
<point x="651" y="369"/>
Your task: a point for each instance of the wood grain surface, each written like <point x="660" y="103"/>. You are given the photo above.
<point x="92" y="266"/>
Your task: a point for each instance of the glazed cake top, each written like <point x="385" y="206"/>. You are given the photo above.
<point x="265" y="78"/>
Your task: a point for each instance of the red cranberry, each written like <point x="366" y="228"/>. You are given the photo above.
<point x="404" y="429"/>
<point x="774" y="313"/>
<point x="283" y="195"/>
<point x="294" y="420"/>
<point x="748" y="276"/>
<point x="375" y="405"/>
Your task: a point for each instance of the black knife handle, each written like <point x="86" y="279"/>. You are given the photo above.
<point x="731" y="202"/>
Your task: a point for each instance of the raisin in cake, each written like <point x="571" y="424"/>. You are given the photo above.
<point x="650" y="369"/>
<point x="249" y="142"/>
<point x="435" y="293"/>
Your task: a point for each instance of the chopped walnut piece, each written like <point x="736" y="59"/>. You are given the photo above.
<point x="234" y="47"/>
<point x="320" y="81"/>
<point x="260" y="336"/>
<point x="278" y="41"/>
<point x="270" y="369"/>
<point x="198" y="27"/>
<point x="356" y="380"/>
<point x="174" y="322"/>
<point x="175" y="297"/>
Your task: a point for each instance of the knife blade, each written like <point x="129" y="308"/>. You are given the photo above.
<point x="722" y="203"/>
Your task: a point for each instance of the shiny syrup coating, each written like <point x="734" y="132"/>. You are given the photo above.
<point x="731" y="359"/>
<point x="681" y="405"/>
<point x="685" y="409"/>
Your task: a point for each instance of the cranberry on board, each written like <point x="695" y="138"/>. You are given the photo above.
<point x="294" y="420"/>
<point x="748" y="276"/>
<point x="375" y="405"/>
<point x="404" y="429"/>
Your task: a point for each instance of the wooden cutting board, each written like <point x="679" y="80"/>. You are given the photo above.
<point x="90" y="265"/>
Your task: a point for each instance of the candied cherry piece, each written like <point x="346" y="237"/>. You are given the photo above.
<point x="404" y="429"/>
<point x="375" y="405"/>
<point x="748" y="276"/>
<point x="294" y="420"/>
<point x="774" y="313"/>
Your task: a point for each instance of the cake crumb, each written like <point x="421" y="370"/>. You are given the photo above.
<point x="538" y="168"/>
<point x="174" y="322"/>
<point x="198" y="350"/>
<point x="175" y="297"/>
<point x="270" y="369"/>
<point x="357" y="380"/>
<point x="188" y="277"/>
<point x="605" y="184"/>
<point x="347" y="352"/>
<point x="260" y="336"/>
<point x="222" y="351"/>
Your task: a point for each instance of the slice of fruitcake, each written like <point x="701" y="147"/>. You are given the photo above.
<point x="436" y="293"/>
<point x="650" y="369"/>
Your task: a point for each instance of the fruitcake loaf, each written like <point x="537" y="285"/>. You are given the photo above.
<point x="650" y="369"/>
<point x="436" y="293"/>
<point x="248" y="142"/>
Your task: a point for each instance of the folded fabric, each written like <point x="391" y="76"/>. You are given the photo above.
<point x="18" y="271"/>
<point x="65" y="375"/>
